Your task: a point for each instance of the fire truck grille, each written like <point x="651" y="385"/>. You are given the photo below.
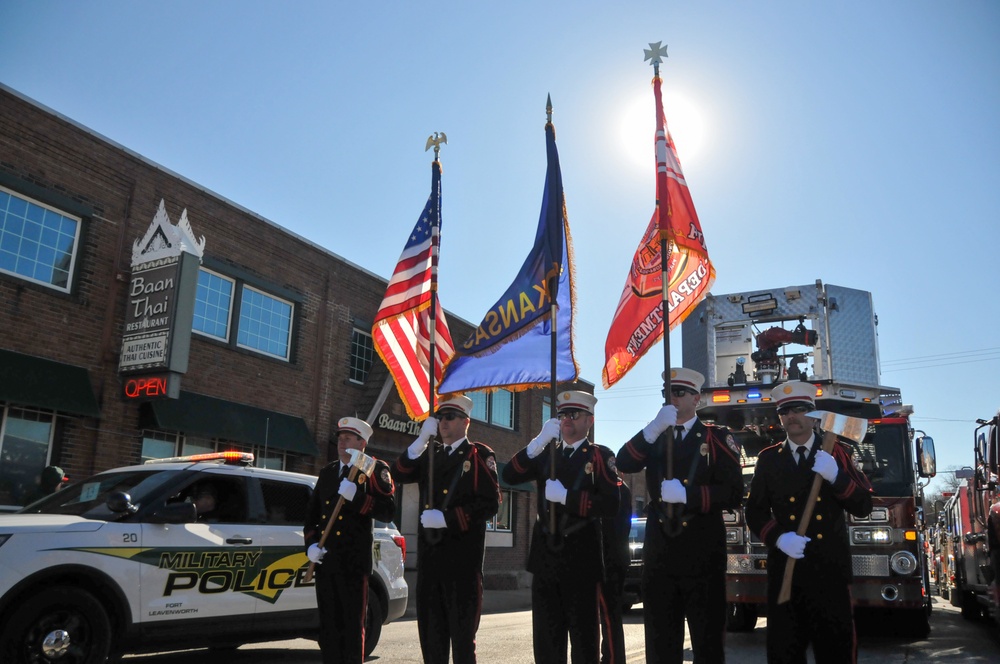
<point x="870" y="565"/>
<point x="744" y="564"/>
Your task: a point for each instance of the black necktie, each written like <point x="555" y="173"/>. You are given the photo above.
<point x="567" y="451"/>
<point x="802" y="456"/>
<point x="678" y="433"/>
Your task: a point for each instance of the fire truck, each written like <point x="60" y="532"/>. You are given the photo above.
<point x="745" y="344"/>
<point x="975" y="515"/>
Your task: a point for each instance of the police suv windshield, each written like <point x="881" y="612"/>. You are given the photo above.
<point x="87" y="498"/>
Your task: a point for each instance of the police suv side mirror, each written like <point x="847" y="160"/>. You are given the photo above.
<point x="174" y="513"/>
<point x="120" y="502"/>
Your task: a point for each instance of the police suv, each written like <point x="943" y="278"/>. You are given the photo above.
<point x="188" y="552"/>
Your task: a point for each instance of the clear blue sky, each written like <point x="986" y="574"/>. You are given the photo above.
<point x="853" y="142"/>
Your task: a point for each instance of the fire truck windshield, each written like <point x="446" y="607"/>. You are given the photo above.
<point x="885" y="459"/>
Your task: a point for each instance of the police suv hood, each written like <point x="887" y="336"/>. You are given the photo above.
<point x="46" y="523"/>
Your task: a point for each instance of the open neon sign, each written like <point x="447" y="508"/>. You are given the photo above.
<point x="150" y="387"/>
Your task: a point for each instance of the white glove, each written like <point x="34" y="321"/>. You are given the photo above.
<point x="555" y="491"/>
<point x="666" y="418"/>
<point x="315" y="553"/>
<point x="432" y="519"/>
<point x="673" y="491"/>
<point x="347" y="489"/>
<point x="427" y="431"/>
<point x="549" y="432"/>
<point x="825" y="466"/>
<point x="792" y="545"/>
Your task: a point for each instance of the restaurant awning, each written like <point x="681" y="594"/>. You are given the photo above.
<point x="217" y="418"/>
<point x="36" y="381"/>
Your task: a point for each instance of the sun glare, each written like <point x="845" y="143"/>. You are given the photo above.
<point x="684" y="122"/>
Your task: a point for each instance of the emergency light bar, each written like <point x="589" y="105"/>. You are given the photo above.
<point x="245" y="458"/>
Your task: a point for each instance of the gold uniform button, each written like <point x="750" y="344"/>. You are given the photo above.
<point x="791" y="517"/>
<point x="819" y="535"/>
<point x="338" y="533"/>
<point x="791" y="499"/>
<point x="819" y="499"/>
<point x="819" y="517"/>
<point x="328" y="502"/>
<point x="322" y="516"/>
<point x="685" y="482"/>
<point x="445" y="492"/>
<point x="340" y="517"/>
<point x="684" y="523"/>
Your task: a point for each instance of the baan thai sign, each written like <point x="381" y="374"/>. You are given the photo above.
<point x="160" y="307"/>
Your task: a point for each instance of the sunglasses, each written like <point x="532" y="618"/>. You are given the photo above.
<point x="678" y="392"/>
<point x="451" y="416"/>
<point x="571" y="415"/>
<point x="798" y="410"/>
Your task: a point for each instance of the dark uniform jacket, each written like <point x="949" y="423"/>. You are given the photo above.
<point x="467" y="491"/>
<point x="591" y="494"/>
<point x="778" y="495"/>
<point x="707" y="461"/>
<point x="615" y="531"/>
<point x="349" y="544"/>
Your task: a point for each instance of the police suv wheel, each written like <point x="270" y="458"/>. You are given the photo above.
<point x="373" y="622"/>
<point x="62" y="624"/>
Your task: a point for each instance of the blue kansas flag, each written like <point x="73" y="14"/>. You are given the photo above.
<point x="512" y="347"/>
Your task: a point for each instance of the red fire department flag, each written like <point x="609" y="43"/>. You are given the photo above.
<point x="638" y="321"/>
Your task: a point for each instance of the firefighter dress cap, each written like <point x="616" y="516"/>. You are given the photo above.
<point x="574" y="400"/>
<point x="355" y="426"/>
<point x="794" y="392"/>
<point x="461" y="403"/>
<point x="686" y="378"/>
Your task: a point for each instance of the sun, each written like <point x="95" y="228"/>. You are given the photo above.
<point x="685" y="122"/>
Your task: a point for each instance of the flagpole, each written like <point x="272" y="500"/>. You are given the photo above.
<point x="554" y="310"/>
<point x="655" y="52"/>
<point x="433" y="535"/>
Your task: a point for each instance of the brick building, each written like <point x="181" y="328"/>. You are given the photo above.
<point x="280" y="347"/>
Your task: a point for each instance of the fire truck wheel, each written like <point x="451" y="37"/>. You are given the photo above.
<point x="970" y="606"/>
<point x="740" y="617"/>
<point x="62" y="624"/>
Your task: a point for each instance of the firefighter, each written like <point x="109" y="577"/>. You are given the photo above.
<point x="452" y="531"/>
<point x="567" y="564"/>
<point x="819" y="612"/>
<point x="344" y="562"/>
<point x="684" y="552"/>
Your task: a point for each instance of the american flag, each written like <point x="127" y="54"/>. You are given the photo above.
<point x="402" y="329"/>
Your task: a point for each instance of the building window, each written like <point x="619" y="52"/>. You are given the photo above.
<point x="497" y="408"/>
<point x="37" y="242"/>
<point x="265" y="320"/>
<point x="158" y="445"/>
<point x="362" y="355"/>
<point x="265" y="323"/>
<point x="213" y="305"/>
<point x="25" y="440"/>
<point x="501" y="523"/>
<point x="546" y="409"/>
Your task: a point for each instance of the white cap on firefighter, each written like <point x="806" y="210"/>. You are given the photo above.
<point x="687" y="378"/>
<point x="353" y="425"/>
<point x="574" y="400"/>
<point x="794" y="391"/>
<point x="458" y="402"/>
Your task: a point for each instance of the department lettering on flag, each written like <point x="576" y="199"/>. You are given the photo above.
<point x="637" y="323"/>
<point x="402" y="329"/>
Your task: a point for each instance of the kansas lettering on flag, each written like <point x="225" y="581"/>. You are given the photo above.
<point x="402" y="329"/>
<point x="638" y="321"/>
<point x="512" y="347"/>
